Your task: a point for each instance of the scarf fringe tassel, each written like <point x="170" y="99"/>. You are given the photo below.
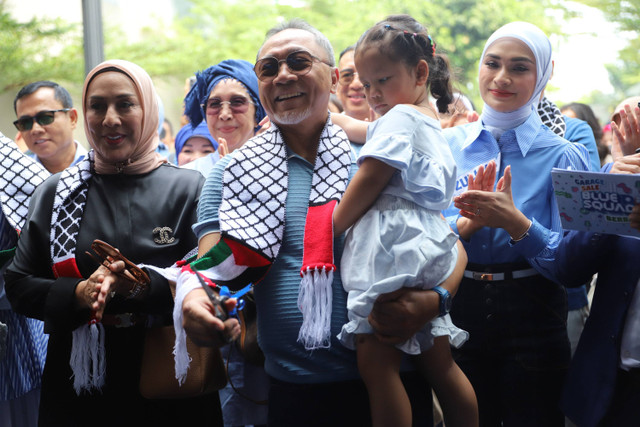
<point x="187" y="281"/>
<point x="88" y="361"/>
<point x="315" y="302"/>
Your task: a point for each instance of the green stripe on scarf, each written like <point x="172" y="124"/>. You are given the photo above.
<point x="216" y="255"/>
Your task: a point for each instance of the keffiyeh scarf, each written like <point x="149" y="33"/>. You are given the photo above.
<point x="252" y="218"/>
<point x="23" y="365"/>
<point x="552" y="116"/>
<point x="19" y="177"/>
<point x="87" y="360"/>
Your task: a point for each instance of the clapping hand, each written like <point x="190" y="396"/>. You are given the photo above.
<point x="626" y="135"/>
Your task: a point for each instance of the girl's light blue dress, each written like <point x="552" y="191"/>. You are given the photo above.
<point x="403" y="241"/>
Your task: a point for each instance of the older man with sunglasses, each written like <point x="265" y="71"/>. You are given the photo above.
<point x="46" y="121"/>
<point x="265" y="217"/>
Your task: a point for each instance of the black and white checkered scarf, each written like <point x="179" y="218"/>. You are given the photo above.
<point x="552" y="116"/>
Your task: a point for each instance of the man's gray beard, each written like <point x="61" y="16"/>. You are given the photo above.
<point x="291" y="117"/>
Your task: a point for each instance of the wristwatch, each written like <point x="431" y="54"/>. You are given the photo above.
<point x="445" y="300"/>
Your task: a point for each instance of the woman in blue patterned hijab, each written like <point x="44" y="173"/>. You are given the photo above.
<point x="226" y="97"/>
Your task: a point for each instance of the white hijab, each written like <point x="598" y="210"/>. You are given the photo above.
<point x="540" y="46"/>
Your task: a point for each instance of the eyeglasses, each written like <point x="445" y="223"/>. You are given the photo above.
<point x="347" y="76"/>
<point x="43" y="118"/>
<point x="298" y="63"/>
<point x="238" y="105"/>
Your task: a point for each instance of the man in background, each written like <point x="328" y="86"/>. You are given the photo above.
<point x="46" y="120"/>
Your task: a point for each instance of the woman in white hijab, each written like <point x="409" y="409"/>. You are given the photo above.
<point x="518" y="350"/>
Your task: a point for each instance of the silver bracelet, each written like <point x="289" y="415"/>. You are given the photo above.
<point x="525" y="234"/>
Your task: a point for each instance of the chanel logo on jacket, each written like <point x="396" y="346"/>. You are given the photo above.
<point x="163" y="235"/>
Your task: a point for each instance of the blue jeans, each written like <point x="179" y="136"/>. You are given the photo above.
<point x="518" y="351"/>
<point x="340" y="404"/>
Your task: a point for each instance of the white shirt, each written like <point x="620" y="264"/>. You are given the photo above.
<point x="81" y="153"/>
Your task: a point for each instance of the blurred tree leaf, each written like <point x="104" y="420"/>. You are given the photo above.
<point x="624" y="74"/>
<point x="38" y="49"/>
<point x="208" y="31"/>
<point x="219" y="29"/>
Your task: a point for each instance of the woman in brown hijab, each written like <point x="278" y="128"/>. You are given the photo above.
<point x="124" y="193"/>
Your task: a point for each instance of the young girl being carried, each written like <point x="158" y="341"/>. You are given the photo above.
<point x="406" y="177"/>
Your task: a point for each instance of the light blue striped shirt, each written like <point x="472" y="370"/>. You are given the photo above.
<point x="532" y="157"/>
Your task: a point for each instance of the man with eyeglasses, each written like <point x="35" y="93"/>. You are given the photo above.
<point x="350" y="90"/>
<point x="46" y="120"/>
<point x="270" y="204"/>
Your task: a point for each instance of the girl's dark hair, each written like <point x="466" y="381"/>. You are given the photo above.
<point x="584" y="112"/>
<point x="402" y="38"/>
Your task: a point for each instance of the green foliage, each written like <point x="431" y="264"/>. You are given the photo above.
<point x="39" y="49"/>
<point x="208" y="31"/>
<point x="624" y="75"/>
<point x="625" y="12"/>
<point x="222" y="29"/>
<point x="626" y="72"/>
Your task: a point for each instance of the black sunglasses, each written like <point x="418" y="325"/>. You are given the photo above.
<point x="43" y="118"/>
<point x="298" y="63"/>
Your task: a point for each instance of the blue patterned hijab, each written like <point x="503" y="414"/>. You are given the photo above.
<point x="206" y="80"/>
<point x="187" y="132"/>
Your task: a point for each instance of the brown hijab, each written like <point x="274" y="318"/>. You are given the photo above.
<point x="144" y="158"/>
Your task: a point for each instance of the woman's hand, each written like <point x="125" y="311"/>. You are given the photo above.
<point x="484" y="180"/>
<point x="102" y="285"/>
<point x="626" y="136"/>
<point x="626" y="164"/>
<point x="493" y="209"/>
<point x="223" y="148"/>
<point x="87" y="290"/>
<point x="201" y="324"/>
<point x="98" y="289"/>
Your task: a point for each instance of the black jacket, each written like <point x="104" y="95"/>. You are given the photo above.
<point x="132" y="213"/>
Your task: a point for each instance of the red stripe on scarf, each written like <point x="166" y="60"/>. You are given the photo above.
<point x="318" y="237"/>
<point x="244" y="255"/>
<point x="66" y="268"/>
